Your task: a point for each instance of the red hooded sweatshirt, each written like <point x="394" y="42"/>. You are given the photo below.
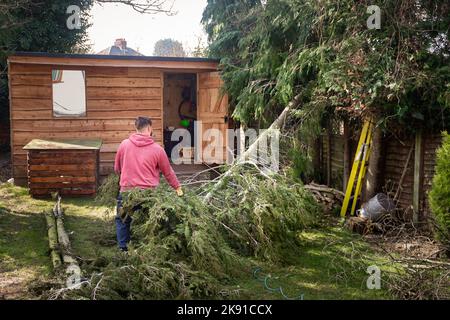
<point x="139" y="161"/>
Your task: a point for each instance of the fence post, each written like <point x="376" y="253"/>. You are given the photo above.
<point x="418" y="175"/>
<point x="347" y="155"/>
<point x="329" y="155"/>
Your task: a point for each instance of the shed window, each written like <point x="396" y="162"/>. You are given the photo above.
<point x="69" y="93"/>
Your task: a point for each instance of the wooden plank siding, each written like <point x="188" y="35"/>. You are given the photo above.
<point x="115" y="97"/>
<point x="69" y="172"/>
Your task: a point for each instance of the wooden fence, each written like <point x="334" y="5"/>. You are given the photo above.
<point x="407" y="166"/>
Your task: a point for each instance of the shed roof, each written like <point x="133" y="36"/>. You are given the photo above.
<point x="206" y="64"/>
<point x="111" y="57"/>
<point x="64" y="144"/>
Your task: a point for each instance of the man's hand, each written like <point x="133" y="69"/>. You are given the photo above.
<point x="179" y="192"/>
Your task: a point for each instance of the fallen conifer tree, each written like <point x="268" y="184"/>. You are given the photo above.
<point x="183" y="247"/>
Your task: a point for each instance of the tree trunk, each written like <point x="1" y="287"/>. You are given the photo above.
<point x="276" y="125"/>
<point x="329" y="150"/>
<point x="53" y="240"/>
<point x="372" y="185"/>
<point x="316" y="158"/>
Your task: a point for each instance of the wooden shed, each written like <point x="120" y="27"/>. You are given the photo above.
<point x="71" y="96"/>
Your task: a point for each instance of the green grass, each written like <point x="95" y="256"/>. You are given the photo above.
<point x="331" y="264"/>
<point x="24" y="253"/>
<point x="23" y="243"/>
<point x="91" y="228"/>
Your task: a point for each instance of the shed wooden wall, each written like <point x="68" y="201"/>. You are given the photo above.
<point x="115" y="97"/>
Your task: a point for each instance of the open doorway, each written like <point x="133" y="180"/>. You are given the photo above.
<point x="180" y="107"/>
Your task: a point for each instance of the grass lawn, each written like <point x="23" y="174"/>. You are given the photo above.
<point x="331" y="264"/>
<point x="24" y="253"/>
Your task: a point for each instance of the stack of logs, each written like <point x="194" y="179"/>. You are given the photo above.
<point x="330" y="198"/>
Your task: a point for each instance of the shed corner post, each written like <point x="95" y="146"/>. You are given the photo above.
<point x="418" y="175"/>
<point x="11" y="129"/>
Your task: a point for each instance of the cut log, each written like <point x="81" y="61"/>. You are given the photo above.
<point x="325" y="189"/>
<point x="56" y="259"/>
<point x="63" y="238"/>
<point x="53" y="240"/>
<point x="328" y="197"/>
<point x="59" y="241"/>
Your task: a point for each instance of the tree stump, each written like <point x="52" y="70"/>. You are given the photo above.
<point x="357" y="224"/>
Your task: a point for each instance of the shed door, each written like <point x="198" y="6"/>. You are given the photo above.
<point x="212" y="119"/>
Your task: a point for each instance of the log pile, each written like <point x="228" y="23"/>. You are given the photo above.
<point x="328" y="197"/>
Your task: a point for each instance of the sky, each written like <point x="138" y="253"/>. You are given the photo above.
<point x="142" y="31"/>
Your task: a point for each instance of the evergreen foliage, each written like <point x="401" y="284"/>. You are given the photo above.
<point x="440" y="192"/>
<point x="183" y="247"/>
<point x="39" y="26"/>
<point x="274" y="50"/>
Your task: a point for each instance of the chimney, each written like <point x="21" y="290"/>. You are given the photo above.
<point x="121" y="43"/>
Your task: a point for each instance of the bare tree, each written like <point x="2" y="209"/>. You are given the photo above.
<point x="8" y="19"/>
<point x="169" y="48"/>
<point x="7" y="8"/>
<point x="146" y="6"/>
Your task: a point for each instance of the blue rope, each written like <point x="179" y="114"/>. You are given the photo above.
<point x="268" y="288"/>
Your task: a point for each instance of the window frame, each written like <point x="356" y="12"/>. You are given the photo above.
<point x="85" y="116"/>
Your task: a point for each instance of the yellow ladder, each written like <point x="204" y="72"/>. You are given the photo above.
<point x="359" y="168"/>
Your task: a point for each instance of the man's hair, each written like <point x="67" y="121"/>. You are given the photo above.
<point x="143" y="122"/>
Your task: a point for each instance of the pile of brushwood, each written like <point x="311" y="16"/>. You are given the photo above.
<point x="189" y="247"/>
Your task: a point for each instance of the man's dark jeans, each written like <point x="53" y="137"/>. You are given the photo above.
<point x="122" y="227"/>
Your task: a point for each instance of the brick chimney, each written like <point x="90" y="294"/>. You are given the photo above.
<point x="121" y="43"/>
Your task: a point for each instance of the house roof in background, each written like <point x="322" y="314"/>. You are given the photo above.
<point x="115" y="50"/>
<point x="120" y="48"/>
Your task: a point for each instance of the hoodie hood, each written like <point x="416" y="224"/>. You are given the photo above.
<point x="140" y="140"/>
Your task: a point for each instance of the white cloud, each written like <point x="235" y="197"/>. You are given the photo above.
<point x="112" y="21"/>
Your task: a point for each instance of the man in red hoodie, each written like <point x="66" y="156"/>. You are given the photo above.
<point x="139" y="162"/>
